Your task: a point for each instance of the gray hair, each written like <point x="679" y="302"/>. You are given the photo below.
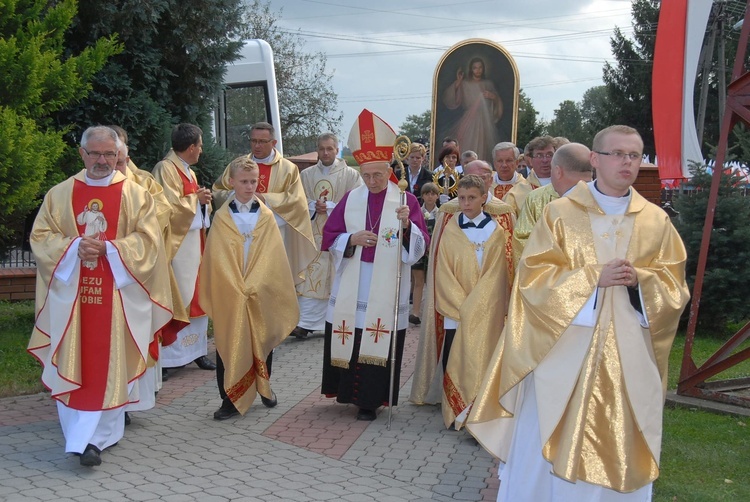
<point x="505" y="145"/>
<point x="99" y="133"/>
<point x="329" y="135"/>
<point x="468" y="154"/>
<point x="264" y="126"/>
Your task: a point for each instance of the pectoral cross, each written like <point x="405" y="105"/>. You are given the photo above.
<point x="377" y="330"/>
<point x="342" y="332"/>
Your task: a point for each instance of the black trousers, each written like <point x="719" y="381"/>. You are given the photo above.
<point x="365" y="385"/>
<point x="226" y="402"/>
<point x="450" y="334"/>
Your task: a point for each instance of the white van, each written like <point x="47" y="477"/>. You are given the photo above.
<point x="249" y="96"/>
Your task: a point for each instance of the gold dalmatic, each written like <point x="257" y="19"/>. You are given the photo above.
<point x="327" y="187"/>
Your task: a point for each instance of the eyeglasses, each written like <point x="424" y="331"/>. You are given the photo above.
<point x="621" y="156"/>
<point x="505" y="162"/>
<point x="260" y="141"/>
<point x="543" y="155"/>
<point x="374" y="176"/>
<point x="106" y="155"/>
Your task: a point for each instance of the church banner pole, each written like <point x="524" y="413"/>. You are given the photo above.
<point x="400" y="151"/>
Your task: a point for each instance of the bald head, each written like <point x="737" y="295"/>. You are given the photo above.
<point x="481" y="169"/>
<point x="570" y="164"/>
<point x="478" y="167"/>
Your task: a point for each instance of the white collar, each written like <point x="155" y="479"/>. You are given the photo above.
<point x="266" y="160"/>
<point x="102" y="182"/>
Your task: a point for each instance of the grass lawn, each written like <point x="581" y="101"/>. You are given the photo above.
<point x="705" y="457"/>
<point x="19" y="371"/>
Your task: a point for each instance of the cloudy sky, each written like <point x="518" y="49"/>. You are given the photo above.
<point x="383" y="54"/>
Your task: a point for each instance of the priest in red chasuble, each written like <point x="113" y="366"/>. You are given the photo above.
<point x="100" y="294"/>
<point x="362" y="236"/>
<point x="279" y="188"/>
<point x="185" y="340"/>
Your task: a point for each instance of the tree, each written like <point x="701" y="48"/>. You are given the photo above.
<point x="171" y="69"/>
<point x="307" y="103"/>
<point x="38" y="78"/>
<point x="726" y="285"/>
<point x="567" y="122"/>
<point x="417" y="127"/>
<point x="528" y="126"/>
<point x="629" y="79"/>
<point x="595" y="111"/>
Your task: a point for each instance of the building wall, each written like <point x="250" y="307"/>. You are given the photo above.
<point x="17" y="283"/>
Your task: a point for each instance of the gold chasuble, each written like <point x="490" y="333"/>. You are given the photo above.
<point x="147" y="181"/>
<point x="600" y="383"/>
<point x="181" y="193"/>
<point x="530" y="213"/>
<point x="286" y="198"/>
<point x="427" y="387"/>
<point x="329" y="187"/>
<point x="500" y="189"/>
<point x="96" y="319"/>
<point x="251" y="301"/>
<point x="477" y="297"/>
<point x="520" y="190"/>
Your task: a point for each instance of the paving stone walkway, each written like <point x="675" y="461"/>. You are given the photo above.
<point x="306" y="448"/>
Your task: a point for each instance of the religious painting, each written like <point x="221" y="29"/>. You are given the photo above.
<point x="474" y="98"/>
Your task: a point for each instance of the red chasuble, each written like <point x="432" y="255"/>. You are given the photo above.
<point x="95" y="290"/>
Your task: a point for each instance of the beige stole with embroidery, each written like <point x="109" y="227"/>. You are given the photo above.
<point x="376" y="336"/>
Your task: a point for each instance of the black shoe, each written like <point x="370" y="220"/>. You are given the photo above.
<point x="127" y="418"/>
<point x="366" y="415"/>
<point x="164" y="375"/>
<point x="299" y="333"/>
<point x="225" y="412"/>
<point x="205" y="363"/>
<point x="414" y="319"/>
<point x="90" y="456"/>
<point x="269" y="403"/>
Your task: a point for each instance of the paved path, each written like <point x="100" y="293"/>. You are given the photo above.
<point x="307" y="448"/>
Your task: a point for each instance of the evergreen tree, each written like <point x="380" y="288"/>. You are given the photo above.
<point x="38" y="78"/>
<point x="629" y="79"/>
<point x="171" y="69"/>
<point x="726" y="284"/>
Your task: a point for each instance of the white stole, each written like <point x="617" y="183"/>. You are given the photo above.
<point x="376" y="335"/>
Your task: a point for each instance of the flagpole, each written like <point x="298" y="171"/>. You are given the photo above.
<point x="401" y="149"/>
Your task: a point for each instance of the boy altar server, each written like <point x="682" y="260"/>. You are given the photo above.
<point x="471" y="293"/>
<point x="244" y="288"/>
